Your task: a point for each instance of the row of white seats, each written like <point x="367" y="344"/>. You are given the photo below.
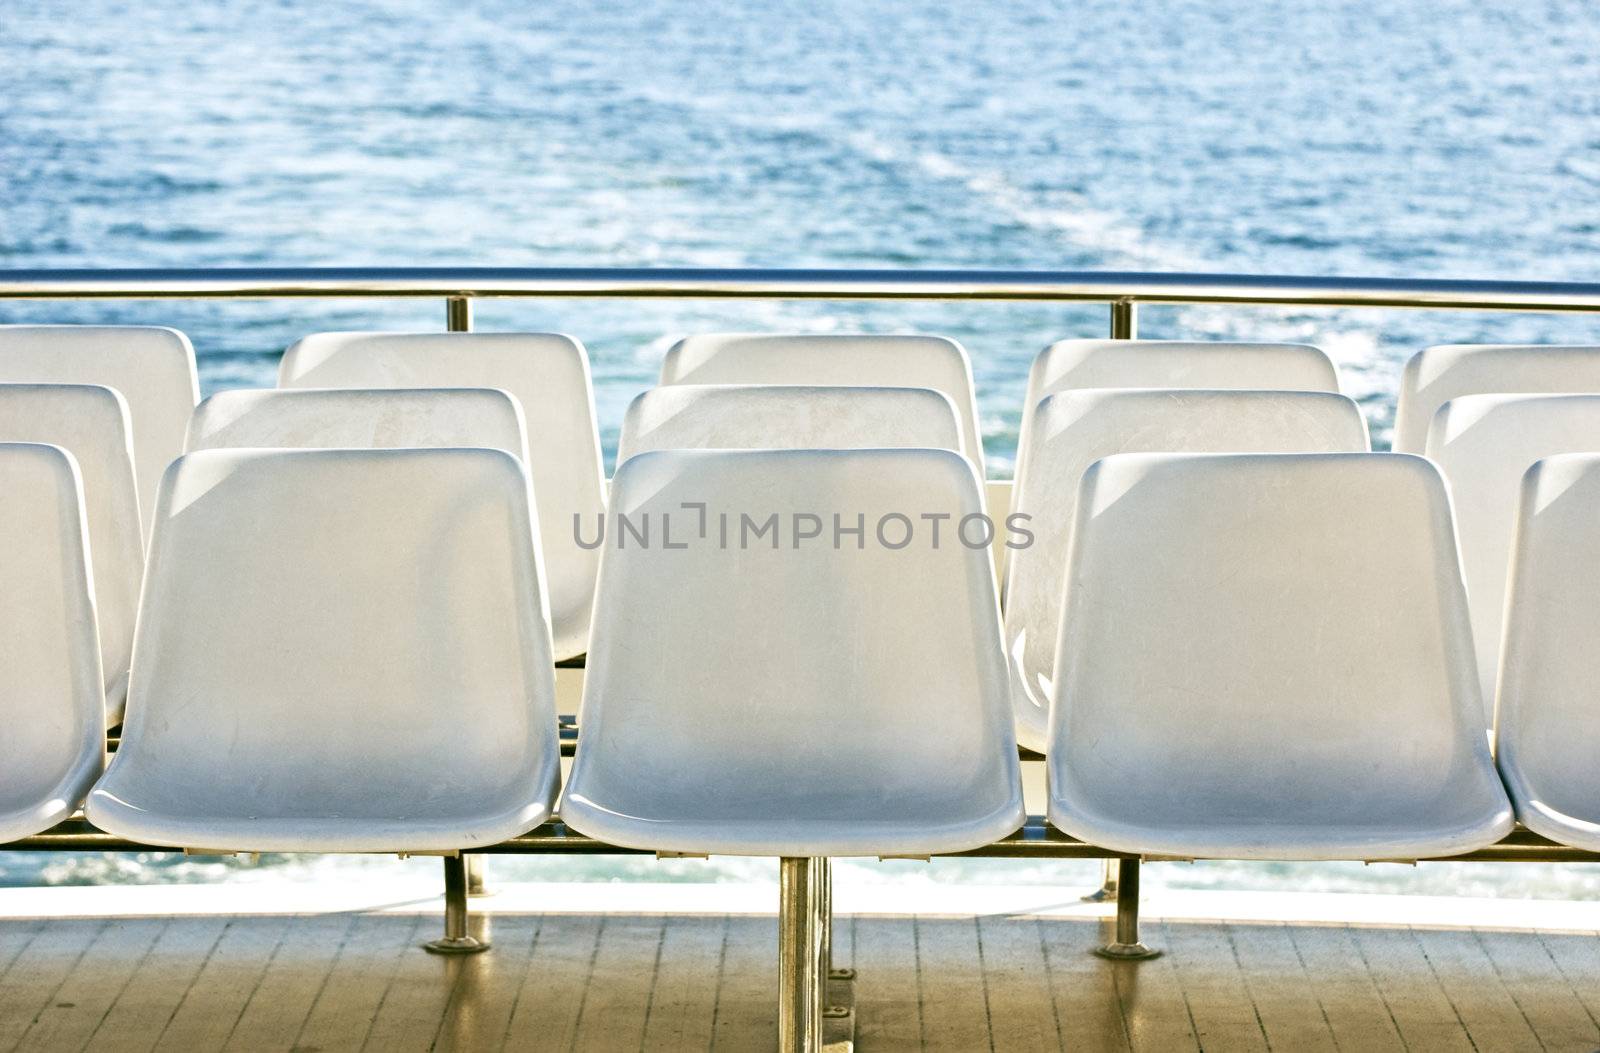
<point x="349" y="650"/>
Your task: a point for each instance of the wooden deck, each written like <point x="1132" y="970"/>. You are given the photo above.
<point x="622" y="982"/>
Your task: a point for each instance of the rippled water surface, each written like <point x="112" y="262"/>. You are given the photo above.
<point x="1455" y="138"/>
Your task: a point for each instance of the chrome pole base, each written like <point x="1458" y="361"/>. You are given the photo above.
<point x="456" y="945"/>
<point x="1127" y="952"/>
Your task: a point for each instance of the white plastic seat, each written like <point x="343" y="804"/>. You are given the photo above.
<point x="548" y="375"/>
<point x="1076" y="428"/>
<point x="338" y="651"/>
<point x="851" y="359"/>
<point x="1547" y="725"/>
<point x="1436" y="375"/>
<point x="772" y="416"/>
<point x="91" y="423"/>
<point x="356" y="418"/>
<point x="1484" y="444"/>
<point x="52" y="691"/>
<point x="151" y="367"/>
<point x="1267" y="656"/>
<point x="759" y="698"/>
<point x="1068" y="365"/>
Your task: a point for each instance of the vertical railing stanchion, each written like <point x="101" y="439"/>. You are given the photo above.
<point x="1124" y="326"/>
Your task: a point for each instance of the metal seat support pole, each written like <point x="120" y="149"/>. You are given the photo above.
<point x="800" y="976"/>
<point x="1126" y="946"/>
<point x="456" y="940"/>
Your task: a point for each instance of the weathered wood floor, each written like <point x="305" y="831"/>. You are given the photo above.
<point x="622" y="982"/>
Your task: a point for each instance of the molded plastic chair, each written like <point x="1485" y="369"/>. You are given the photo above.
<point x="1076" y="428"/>
<point x="548" y="375"/>
<point x="785" y="697"/>
<point x="1547" y="725"/>
<point x="769" y="416"/>
<point x="1210" y="364"/>
<point x="1267" y="656"/>
<point x="52" y="692"/>
<point x="151" y="367"/>
<point x="91" y="423"/>
<point x="851" y="359"/>
<point x="353" y="418"/>
<point x="1484" y="444"/>
<point x="1438" y="374"/>
<point x="338" y="651"/>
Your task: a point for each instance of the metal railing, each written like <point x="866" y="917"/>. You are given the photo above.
<point x="1130" y="287"/>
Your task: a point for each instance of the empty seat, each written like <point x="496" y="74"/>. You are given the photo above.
<point x="1484" y="444"/>
<point x="91" y="423"/>
<point x="52" y="692"/>
<point x="851" y="359"/>
<point x="1219" y="365"/>
<point x="1438" y="374"/>
<point x="151" y="367"/>
<point x="1267" y="656"/>
<point x="791" y="696"/>
<point x="1073" y="429"/>
<point x="1547" y="725"/>
<point x="772" y="416"/>
<point x="548" y="375"/>
<point x="338" y="651"/>
<point x="356" y="418"/>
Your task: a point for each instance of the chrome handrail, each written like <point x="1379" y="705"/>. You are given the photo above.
<point x="1129" y="287"/>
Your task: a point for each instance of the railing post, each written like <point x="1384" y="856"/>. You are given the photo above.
<point x="1126" y="946"/>
<point x="458" y="314"/>
<point x="1124" y="326"/>
<point x="800" y="976"/>
<point x="456" y="938"/>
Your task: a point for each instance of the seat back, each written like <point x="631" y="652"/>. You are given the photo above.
<point x="548" y="375"/>
<point x="1068" y="365"/>
<point x="795" y="679"/>
<point x="1436" y="375"/>
<point x="1547" y="725"/>
<point x="1073" y="429"/>
<point x="91" y="423"/>
<point x="336" y="637"/>
<point x="1277" y="643"/>
<point x="772" y="416"/>
<point x="353" y="418"/>
<point x="151" y="367"/>
<point x="52" y="690"/>
<point x="851" y="359"/>
<point x="1484" y="444"/>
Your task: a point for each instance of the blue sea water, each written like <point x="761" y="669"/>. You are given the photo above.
<point x="1455" y="138"/>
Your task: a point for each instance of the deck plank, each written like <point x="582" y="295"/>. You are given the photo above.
<point x="288" y="987"/>
<point x="1286" y="1004"/>
<point x="156" y="990"/>
<point x="1345" y="989"/>
<point x="1213" y="986"/>
<point x="683" y="1008"/>
<point x="1491" y="1016"/>
<point x="1083" y="988"/>
<point x="1553" y="1009"/>
<point x="1422" y="1012"/>
<point x="621" y="984"/>
<point x="485" y="991"/>
<point x="87" y="992"/>
<point x="215" y="1001"/>
<point x="1021" y="1010"/>
<point x="888" y="1005"/>
<point x="49" y="957"/>
<point x="747" y="988"/>
<point x="342" y="1014"/>
<point x="548" y="1002"/>
<point x="1576" y="957"/>
<point x="955" y="1011"/>
<point x="1151" y="996"/>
